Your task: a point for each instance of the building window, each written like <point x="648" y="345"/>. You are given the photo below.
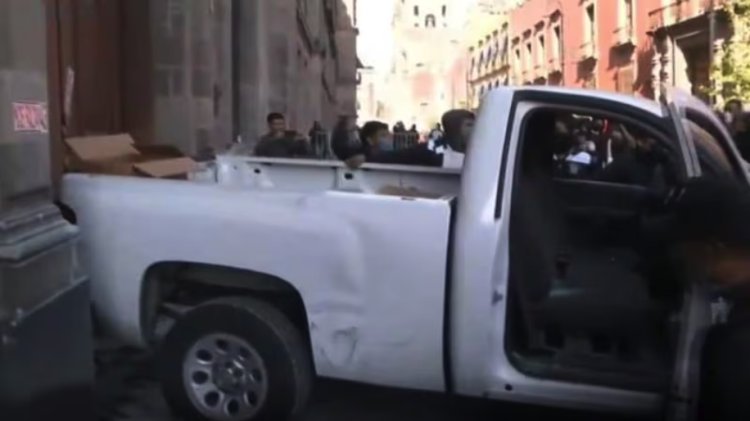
<point x="517" y="63"/>
<point x="528" y="56"/>
<point x="416" y="10"/>
<point x="541" y="53"/>
<point x="624" y="80"/>
<point x="590" y="24"/>
<point x="429" y="21"/>
<point x="557" y="43"/>
<point x="626" y="16"/>
<point x="444" y="10"/>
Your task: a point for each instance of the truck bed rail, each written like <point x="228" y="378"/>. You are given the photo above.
<point x="303" y="175"/>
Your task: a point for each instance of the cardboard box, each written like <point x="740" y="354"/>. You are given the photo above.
<point x="119" y="155"/>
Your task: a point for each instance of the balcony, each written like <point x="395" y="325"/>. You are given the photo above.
<point x="504" y="63"/>
<point x="555" y="65"/>
<point x="624" y="36"/>
<point x="587" y="51"/>
<point x="539" y="72"/>
<point x="680" y="11"/>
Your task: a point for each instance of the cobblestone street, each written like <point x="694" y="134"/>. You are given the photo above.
<point x="127" y="391"/>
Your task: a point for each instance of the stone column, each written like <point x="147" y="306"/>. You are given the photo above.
<point x="37" y="254"/>
<point x="24" y="136"/>
<point x="252" y="70"/>
<point x="191" y="52"/>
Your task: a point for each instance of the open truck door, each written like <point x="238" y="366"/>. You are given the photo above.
<point x="709" y="151"/>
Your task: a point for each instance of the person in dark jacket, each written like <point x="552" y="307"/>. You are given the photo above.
<point x="635" y="159"/>
<point x="710" y="229"/>
<point x="345" y="139"/>
<point x="372" y="138"/>
<point x="446" y="152"/>
<point x="280" y="142"/>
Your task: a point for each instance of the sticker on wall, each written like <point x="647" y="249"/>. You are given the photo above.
<point x="30" y="117"/>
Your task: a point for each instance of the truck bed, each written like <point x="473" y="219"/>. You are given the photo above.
<point x="362" y="262"/>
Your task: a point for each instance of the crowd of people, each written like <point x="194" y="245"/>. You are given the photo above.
<point x="374" y="141"/>
<point x="605" y="150"/>
<point x="738" y="122"/>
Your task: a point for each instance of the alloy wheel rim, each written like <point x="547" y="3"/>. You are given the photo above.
<point x="225" y="378"/>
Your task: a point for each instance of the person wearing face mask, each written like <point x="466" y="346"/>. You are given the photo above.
<point x="376" y="138"/>
<point x="345" y="140"/>
<point x="372" y="139"/>
<point x="446" y="152"/>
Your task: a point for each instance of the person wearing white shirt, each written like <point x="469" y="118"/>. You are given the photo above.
<point x="458" y="124"/>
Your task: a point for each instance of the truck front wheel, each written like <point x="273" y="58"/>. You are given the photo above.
<point x="235" y="359"/>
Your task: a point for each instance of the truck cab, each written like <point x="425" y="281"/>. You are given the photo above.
<point x="524" y="277"/>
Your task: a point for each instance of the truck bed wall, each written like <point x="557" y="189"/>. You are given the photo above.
<point x="308" y="176"/>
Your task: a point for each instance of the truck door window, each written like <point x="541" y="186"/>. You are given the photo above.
<point x="603" y="149"/>
<point x="713" y="158"/>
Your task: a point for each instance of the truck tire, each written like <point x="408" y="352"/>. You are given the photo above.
<point x="235" y="359"/>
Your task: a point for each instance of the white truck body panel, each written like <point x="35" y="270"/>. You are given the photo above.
<point x="480" y="275"/>
<point x="371" y="268"/>
<point x="364" y="264"/>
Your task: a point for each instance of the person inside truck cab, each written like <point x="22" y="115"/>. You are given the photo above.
<point x="446" y="152"/>
<point x="635" y="159"/>
<point x="279" y="142"/>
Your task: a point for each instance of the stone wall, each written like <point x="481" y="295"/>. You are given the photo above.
<point x="192" y="72"/>
<point x="24" y="154"/>
<point x="295" y="67"/>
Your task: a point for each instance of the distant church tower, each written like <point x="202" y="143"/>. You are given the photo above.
<point x="428" y="14"/>
<point x="427" y="35"/>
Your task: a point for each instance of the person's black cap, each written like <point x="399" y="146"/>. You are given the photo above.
<point x="453" y="119"/>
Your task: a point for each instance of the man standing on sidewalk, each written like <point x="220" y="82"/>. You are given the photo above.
<point x="280" y="142"/>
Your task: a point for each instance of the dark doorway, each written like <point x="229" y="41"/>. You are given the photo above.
<point x="99" y="68"/>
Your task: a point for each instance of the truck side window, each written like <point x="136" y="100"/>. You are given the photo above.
<point x="602" y="149"/>
<point x="712" y="156"/>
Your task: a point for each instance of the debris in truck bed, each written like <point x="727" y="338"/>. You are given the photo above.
<point x="120" y="155"/>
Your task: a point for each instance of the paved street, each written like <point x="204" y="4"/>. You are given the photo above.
<point x="128" y="392"/>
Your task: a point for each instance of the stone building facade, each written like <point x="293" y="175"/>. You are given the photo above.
<point x="683" y="45"/>
<point x="427" y="76"/>
<point x="249" y="58"/>
<point x="629" y="46"/>
<point x="488" y="54"/>
<point x="25" y="180"/>
<point x="197" y="74"/>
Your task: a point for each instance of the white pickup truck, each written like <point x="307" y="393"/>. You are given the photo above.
<point x="511" y="280"/>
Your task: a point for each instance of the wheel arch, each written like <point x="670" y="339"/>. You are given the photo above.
<point x="189" y="284"/>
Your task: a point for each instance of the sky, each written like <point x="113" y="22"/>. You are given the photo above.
<point x="375" y="34"/>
